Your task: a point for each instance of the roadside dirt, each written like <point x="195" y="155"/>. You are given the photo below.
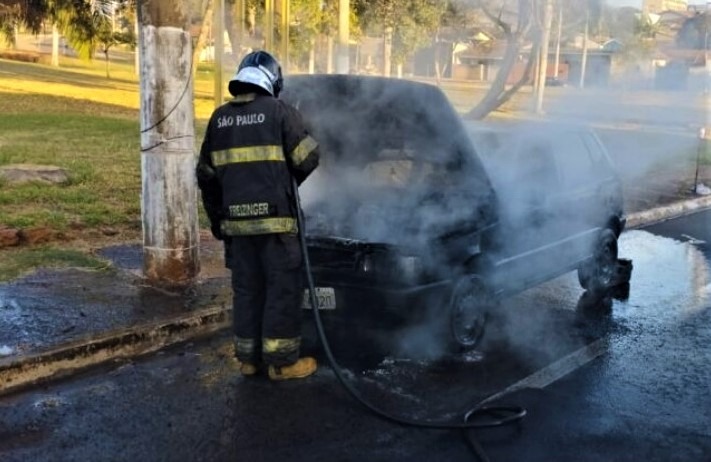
<point x="79" y="239"/>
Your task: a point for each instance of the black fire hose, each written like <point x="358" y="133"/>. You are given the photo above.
<point x="496" y="416"/>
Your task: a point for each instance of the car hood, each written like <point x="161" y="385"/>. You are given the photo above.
<point x="397" y="166"/>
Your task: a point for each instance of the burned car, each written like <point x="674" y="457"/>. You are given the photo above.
<point x="408" y="222"/>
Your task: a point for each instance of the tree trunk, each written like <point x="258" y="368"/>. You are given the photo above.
<point x="329" y="55"/>
<point x="136" y="54"/>
<point x="55" y="45"/>
<point x="556" y="70"/>
<point x="169" y="190"/>
<point x="498" y="94"/>
<point x="545" y="41"/>
<point x="283" y="15"/>
<point x="106" y="56"/>
<point x="268" y="26"/>
<point x="252" y="20"/>
<point x="438" y="72"/>
<point x="312" y="57"/>
<point x="234" y="24"/>
<point x="387" y="51"/>
<point x="584" y="63"/>
<point x="219" y="50"/>
<point x="208" y="13"/>
<point x="436" y="55"/>
<point x="343" y="64"/>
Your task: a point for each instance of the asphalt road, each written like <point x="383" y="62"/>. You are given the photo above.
<point x="601" y="379"/>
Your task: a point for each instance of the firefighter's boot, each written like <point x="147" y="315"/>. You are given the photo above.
<point x="299" y="370"/>
<point x="248" y="369"/>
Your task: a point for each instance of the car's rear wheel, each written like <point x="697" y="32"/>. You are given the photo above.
<point x="471" y="305"/>
<point x="600" y="271"/>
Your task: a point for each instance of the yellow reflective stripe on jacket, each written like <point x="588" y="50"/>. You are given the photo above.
<point x="280" y="345"/>
<point x="259" y="226"/>
<point x="271" y="153"/>
<point x="302" y="151"/>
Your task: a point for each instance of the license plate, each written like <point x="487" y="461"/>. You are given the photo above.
<point x="325" y="298"/>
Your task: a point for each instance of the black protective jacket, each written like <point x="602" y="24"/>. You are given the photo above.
<point x="253" y="146"/>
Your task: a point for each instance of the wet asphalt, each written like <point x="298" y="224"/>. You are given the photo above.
<point x="54" y="307"/>
<point x="602" y="379"/>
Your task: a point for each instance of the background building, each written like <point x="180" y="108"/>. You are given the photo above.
<point x="657" y="6"/>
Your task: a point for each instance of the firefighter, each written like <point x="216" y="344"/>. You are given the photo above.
<point x="253" y="147"/>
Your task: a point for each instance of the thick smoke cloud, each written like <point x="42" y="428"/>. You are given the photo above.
<point x="400" y="168"/>
<point x="391" y="151"/>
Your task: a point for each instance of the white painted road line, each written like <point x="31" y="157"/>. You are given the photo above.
<point x="557" y="370"/>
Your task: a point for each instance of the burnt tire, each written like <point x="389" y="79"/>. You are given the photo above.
<point x="599" y="273"/>
<point x="471" y="305"/>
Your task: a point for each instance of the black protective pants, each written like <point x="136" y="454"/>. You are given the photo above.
<point x="267" y="294"/>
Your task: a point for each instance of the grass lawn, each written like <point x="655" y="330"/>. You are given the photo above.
<point x="75" y="118"/>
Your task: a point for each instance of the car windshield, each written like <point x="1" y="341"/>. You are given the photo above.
<point x="400" y="168"/>
<point x="396" y="164"/>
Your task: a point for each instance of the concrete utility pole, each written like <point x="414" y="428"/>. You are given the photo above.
<point x="343" y="60"/>
<point x="545" y="42"/>
<point x="169" y="200"/>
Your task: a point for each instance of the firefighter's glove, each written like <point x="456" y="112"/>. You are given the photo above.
<point x="217" y="232"/>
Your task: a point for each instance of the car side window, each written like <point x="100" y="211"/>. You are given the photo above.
<point x="537" y="177"/>
<point x="574" y="158"/>
<point x="601" y="162"/>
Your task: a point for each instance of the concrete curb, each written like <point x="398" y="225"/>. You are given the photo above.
<point x="667" y="212"/>
<point x="21" y="372"/>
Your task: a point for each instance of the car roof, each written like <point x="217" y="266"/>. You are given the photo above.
<point x="366" y="112"/>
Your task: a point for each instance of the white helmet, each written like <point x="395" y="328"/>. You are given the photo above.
<point x="259" y="69"/>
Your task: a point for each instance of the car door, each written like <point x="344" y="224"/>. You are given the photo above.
<point x="532" y="198"/>
<point x="583" y="182"/>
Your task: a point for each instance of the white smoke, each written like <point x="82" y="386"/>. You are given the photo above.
<point x="529" y="164"/>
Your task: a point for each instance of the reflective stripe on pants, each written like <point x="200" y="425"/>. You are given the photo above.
<point x="267" y="285"/>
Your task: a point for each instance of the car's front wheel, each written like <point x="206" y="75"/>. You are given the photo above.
<point x="599" y="272"/>
<point x="471" y="305"/>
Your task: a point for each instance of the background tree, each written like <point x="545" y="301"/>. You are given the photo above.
<point x="455" y="26"/>
<point x="527" y="12"/>
<point x="621" y="23"/>
<point x="107" y="38"/>
<point x="405" y="25"/>
<point x="77" y="20"/>
<point x="307" y="19"/>
<point x="694" y="32"/>
<point x="205" y="20"/>
<point x="80" y="21"/>
<point x="418" y="24"/>
<point x="27" y="13"/>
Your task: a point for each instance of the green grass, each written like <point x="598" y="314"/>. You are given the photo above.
<point x="75" y="118"/>
<point x="21" y="261"/>
<point x="100" y="150"/>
